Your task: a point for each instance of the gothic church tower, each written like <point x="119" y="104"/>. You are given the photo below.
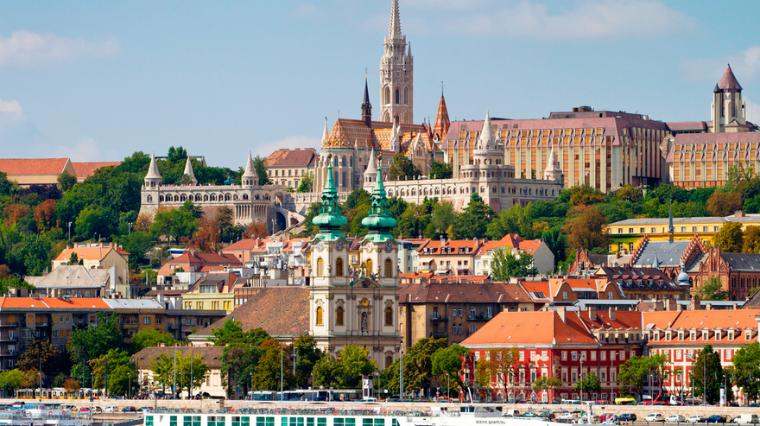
<point x="396" y="74"/>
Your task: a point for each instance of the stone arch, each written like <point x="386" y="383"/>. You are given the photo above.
<point x="319" y="314"/>
<point x="160" y="198"/>
<point x="388" y="268"/>
<point x="388" y="316"/>
<point x="340" y="315"/>
<point x="183" y="197"/>
<point x="245" y="197"/>
<point x="339" y="267"/>
<point x="320" y="267"/>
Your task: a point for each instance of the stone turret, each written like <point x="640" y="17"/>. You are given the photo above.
<point x="552" y="171"/>
<point x="371" y="172"/>
<point x="249" y="178"/>
<point x="153" y="177"/>
<point x="188" y="176"/>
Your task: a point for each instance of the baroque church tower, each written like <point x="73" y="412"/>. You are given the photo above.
<point x="396" y="74"/>
<point x="355" y="307"/>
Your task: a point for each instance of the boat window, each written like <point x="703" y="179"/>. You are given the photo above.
<point x="172" y="420"/>
<point x="241" y="421"/>
<point x="310" y="421"/>
<point x="191" y="421"/>
<point x="366" y="422"/>
<point x="148" y="420"/>
<point x="379" y="422"/>
<point x="321" y="421"/>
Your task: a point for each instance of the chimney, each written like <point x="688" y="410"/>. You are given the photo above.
<point x="667" y="304"/>
<point x="592" y="313"/>
<point x="739" y="213"/>
<point x="612" y="313"/>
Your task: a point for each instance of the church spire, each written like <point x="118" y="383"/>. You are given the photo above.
<point x="394" y="24"/>
<point x="325" y="135"/>
<point x="442" y="122"/>
<point x="153" y="172"/>
<point x="366" y="105"/>
<point x="188" y="176"/>
<point x="330" y="219"/>
<point x="379" y="222"/>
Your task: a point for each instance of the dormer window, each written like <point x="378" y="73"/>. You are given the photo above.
<point x="705" y="334"/>
<point x="718" y="335"/>
<point x="680" y="335"/>
<point x="731" y="334"/>
<point x="748" y="334"/>
<point x="693" y="335"/>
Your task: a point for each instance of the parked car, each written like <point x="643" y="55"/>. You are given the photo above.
<point x="85" y="410"/>
<point x="675" y="418"/>
<point x="715" y="419"/>
<point x="746" y="419"/>
<point x="129" y="409"/>
<point x="654" y="417"/>
<point x="626" y="417"/>
<point x="110" y="409"/>
<point x="696" y="419"/>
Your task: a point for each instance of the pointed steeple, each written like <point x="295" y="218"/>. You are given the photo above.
<point x="486" y="137"/>
<point x="728" y="81"/>
<point x="153" y="173"/>
<point x="249" y="174"/>
<point x="442" y="122"/>
<point x="330" y="219"/>
<point x="552" y="171"/>
<point x="371" y="165"/>
<point x="188" y="175"/>
<point x="379" y="222"/>
<point x="394" y="24"/>
<point x="366" y="105"/>
<point x="325" y="134"/>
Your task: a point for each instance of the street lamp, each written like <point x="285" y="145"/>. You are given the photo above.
<point x="69" y="232"/>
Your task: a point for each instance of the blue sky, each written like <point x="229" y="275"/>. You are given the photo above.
<point x="99" y="80"/>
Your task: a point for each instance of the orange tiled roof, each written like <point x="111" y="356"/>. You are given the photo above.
<point x="623" y="319"/>
<point x="533" y="327"/>
<point x="535" y="288"/>
<point x="346" y="133"/>
<point x="247" y="244"/>
<point x="89" y="252"/>
<point x="736" y="319"/>
<point x="32" y="166"/>
<point x="433" y="247"/>
<point x="299" y="157"/>
<point x="45" y="303"/>
<point x="85" y="169"/>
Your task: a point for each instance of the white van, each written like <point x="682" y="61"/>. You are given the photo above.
<point x="747" y="419"/>
<point x="110" y="409"/>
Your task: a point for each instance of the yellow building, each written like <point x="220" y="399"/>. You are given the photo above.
<point x="625" y="235"/>
<point x="213" y="292"/>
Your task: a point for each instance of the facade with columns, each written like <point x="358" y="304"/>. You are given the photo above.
<point x="355" y="306"/>
<point x="249" y="201"/>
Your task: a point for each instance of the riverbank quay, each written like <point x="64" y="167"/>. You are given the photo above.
<point x="210" y="405"/>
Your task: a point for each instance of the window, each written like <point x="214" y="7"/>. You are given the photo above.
<point x="388" y="268"/>
<point x="146" y="320"/>
<point x="339" y="267"/>
<point x="339" y="313"/>
<point x="320" y="267"/>
<point x="241" y="421"/>
<point x="388" y="316"/>
<point x="215" y="421"/>
<point x="172" y="420"/>
<point x="191" y="421"/>
<point x="368" y="266"/>
<point x="319" y="316"/>
<point x="148" y="420"/>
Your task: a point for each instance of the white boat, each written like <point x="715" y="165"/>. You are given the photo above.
<point x="326" y="415"/>
<point x="39" y="414"/>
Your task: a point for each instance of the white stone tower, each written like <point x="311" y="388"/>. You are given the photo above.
<point x="396" y="74"/>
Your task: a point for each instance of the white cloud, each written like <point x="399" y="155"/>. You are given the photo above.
<point x="580" y="20"/>
<point x="746" y="66"/>
<point x="748" y="62"/>
<point x="23" y="48"/>
<point x="295" y="141"/>
<point x="11" y="110"/>
<point x="443" y="4"/>
<point x="753" y="111"/>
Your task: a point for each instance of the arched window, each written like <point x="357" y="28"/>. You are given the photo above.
<point x="406" y="95"/>
<point x="388" y="361"/>
<point x="320" y="266"/>
<point x="368" y="266"/>
<point x="398" y="96"/>
<point x="149" y="198"/>
<point x="319" y="315"/>
<point x="388" y="316"/>
<point x="339" y="267"/>
<point x="388" y="268"/>
<point x="339" y="314"/>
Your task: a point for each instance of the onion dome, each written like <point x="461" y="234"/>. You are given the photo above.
<point x="379" y="222"/>
<point x="330" y="219"/>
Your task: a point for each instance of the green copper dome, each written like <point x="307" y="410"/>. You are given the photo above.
<point x="330" y="219"/>
<point x="379" y="222"/>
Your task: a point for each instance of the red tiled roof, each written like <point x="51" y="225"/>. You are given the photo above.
<point x="623" y="319"/>
<point x="89" y="252"/>
<point x="510" y="241"/>
<point x="453" y="292"/>
<point x="32" y="166"/>
<point x="533" y="327"/>
<point x="247" y="244"/>
<point x="299" y="157"/>
<point x="728" y="80"/>
<point x="723" y="319"/>
<point x="459" y="247"/>
<point x="85" y="169"/>
<point x="717" y="138"/>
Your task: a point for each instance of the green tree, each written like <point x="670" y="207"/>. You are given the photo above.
<point x="636" y="370"/>
<point x="11" y="380"/>
<point x="326" y="371"/>
<point x="723" y="203"/>
<point x="751" y="240"/>
<point x="589" y="383"/>
<point x="442" y="218"/>
<point x="150" y="337"/>
<point x="137" y="244"/>
<point x="501" y="364"/>
<point x="66" y="181"/>
<point x="306" y="356"/>
<point x="402" y="168"/>
<point x="344" y="371"/>
<point x="586" y="230"/>
<point x="746" y="372"/>
<point x="729" y="237"/>
<point x="93" y="341"/>
<point x="440" y="170"/>
<point x="473" y="220"/>
<point x="447" y="362"/>
<point x="306" y="184"/>
<point x="12" y="283"/>
<point x="266" y="374"/>
<point x="43" y="356"/>
<point x="505" y="265"/>
<point x="175" y="224"/>
<point x="115" y="372"/>
<point x="261" y="171"/>
<point x="418" y="367"/>
<point x="93" y="222"/>
<point x="707" y="375"/>
<point x="191" y="371"/>
<point x="711" y="289"/>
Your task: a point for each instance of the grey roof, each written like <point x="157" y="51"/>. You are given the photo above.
<point x="72" y="276"/>
<point x="134" y="304"/>
<point x="743" y="262"/>
<point x="666" y="253"/>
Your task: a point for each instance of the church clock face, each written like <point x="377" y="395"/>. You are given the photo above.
<point x="320" y="245"/>
<point x="339" y="245"/>
<point x="388" y="246"/>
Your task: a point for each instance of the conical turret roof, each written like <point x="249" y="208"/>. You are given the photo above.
<point x="486" y="137"/>
<point x="325" y="134"/>
<point x="371" y="166"/>
<point x="728" y="80"/>
<point x="153" y="172"/>
<point x="188" y="173"/>
<point x="442" y="122"/>
<point x="250" y="171"/>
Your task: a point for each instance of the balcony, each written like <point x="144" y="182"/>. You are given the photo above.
<point x="479" y="317"/>
<point x="436" y="317"/>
